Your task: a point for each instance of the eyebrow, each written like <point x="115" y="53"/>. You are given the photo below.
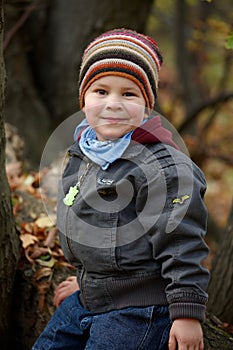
<point x="101" y="85"/>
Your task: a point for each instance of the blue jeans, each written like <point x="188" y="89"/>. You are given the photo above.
<point x="72" y="327"/>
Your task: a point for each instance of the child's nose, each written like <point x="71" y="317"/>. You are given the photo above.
<point x="113" y="103"/>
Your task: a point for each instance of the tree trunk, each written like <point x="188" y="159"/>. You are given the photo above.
<point x="215" y="338"/>
<point x="188" y="90"/>
<point x="221" y="286"/>
<point x="31" y="312"/>
<point x="9" y="243"/>
<point x="69" y="29"/>
<point x="24" y="108"/>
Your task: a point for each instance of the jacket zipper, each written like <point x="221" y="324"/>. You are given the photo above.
<point x="73" y="191"/>
<point x="78" y="184"/>
<point x="68" y="238"/>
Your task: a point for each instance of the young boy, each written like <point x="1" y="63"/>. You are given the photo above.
<point x="130" y="213"/>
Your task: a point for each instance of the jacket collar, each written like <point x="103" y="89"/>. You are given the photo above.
<point x="151" y="131"/>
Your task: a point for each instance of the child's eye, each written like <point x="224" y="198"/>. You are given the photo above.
<point x="129" y="94"/>
<point x="101" y="91"/>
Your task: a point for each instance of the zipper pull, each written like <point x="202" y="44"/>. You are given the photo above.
<point x="71" y="195"/>
<point x="74" y="190"/>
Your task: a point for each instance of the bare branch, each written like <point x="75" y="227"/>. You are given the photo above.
<point x="10" y="34"/>
<point x="212" y="102"/>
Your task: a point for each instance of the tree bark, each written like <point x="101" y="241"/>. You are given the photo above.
<point x="24" y="107"/>
<point x="221" y="286"/>
<point x="29" y="313"/>
<point x="215" y="338"/>
<point x="188" y="90"/>
<point x="9" y="242"/>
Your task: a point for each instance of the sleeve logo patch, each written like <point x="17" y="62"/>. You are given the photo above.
<point x="181" y="200"/>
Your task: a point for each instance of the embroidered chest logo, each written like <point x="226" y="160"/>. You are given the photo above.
<point x="181" y="199"/>
<point x="102" y="181"/>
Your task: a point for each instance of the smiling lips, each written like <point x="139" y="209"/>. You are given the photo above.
<point x="111" y="120"/>
<point x="114" y="118"/>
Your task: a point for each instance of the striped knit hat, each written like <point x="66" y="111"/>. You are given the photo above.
<point x="124" y="53"/>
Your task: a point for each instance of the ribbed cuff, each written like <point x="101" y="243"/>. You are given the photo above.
<point x="187" y="310"/>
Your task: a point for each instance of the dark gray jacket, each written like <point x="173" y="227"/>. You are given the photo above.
<point x="135" y="231"/>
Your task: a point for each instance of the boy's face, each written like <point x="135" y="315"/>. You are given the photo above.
<point x="114" y="106"/>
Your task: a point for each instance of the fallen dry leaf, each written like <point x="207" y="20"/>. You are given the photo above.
<point x="42" y="273"/>
<point x="38" y="251"/>
<point x="65" y="264"/>
<point x="51" y="238"/>
<point x="27" y="252"/>
<point x="27" y="239"/>
<point x="43" y="288"/>
<point x="27" y="227"/>
<point x="228" y="327"/>
<point x="49" y="263"/>
<point x="44" y="222"/>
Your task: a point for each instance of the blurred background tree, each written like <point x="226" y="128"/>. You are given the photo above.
<point x="9" y="240"/>
<point x="43" y="43"/>
<point x="196" y="90"/>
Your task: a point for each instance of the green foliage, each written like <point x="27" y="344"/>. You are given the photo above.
<point x="229" y="42"/>
<point x="164" y="5"/>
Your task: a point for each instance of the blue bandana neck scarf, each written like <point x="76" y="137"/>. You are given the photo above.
<point x="102" y="152"/>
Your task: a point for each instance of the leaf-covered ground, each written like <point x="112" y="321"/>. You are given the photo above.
<point x="37" y="229"/>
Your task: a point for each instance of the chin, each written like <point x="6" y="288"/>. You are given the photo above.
<point x="111" y="135"/>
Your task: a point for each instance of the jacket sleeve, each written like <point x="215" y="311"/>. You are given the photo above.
<point x="185" y="246"/>
<point x="179" y="245"/>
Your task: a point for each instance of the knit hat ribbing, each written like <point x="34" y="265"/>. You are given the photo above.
<point x="125" y="53"/>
